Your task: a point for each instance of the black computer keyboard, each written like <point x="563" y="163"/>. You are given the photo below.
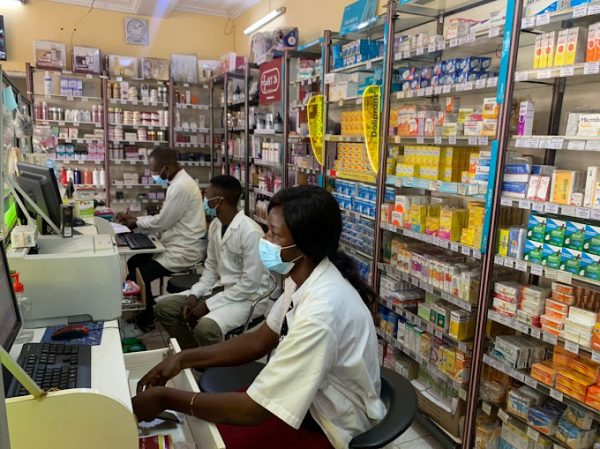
<point x="54" y="366"/>
<point x="138" y="241"/>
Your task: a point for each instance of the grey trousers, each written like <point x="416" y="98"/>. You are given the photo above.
<point x="168" y="312"/>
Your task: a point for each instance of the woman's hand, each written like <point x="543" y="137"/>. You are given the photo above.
<point x="148" y="404"/>
<point x="161" y="373"/>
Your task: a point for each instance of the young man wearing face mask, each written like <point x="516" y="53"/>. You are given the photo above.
<point x="233" y="276"/>
<point x="181" y="222"/>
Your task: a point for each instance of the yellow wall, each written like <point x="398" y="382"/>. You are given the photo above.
<point x="310" y="16"/>
<point x="39" y="19"/>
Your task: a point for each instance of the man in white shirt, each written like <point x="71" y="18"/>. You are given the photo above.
<point x="181" y="222"/>
<point x="232" y="270"/>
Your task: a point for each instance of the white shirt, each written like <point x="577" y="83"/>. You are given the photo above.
<point x="233" y="262"/>
<point x="327" y="363"/>
<point x="182" y="223"/>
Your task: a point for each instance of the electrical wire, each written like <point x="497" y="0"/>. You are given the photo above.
<point x="91" y="8"/>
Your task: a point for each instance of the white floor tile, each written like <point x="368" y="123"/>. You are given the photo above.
<point x="428" y="442"/>
<point x="414" y="432"/>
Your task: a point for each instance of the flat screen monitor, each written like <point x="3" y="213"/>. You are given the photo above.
<point x="10" y="321"/>
<point x="40" y="184"/>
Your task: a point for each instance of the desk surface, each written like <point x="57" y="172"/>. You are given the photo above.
<point x="109" y="376"/>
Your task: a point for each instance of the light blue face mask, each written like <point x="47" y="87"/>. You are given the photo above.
<point x="158" y="180"/>
<point x="270" y="256"/>
<point x="211" y="211"/>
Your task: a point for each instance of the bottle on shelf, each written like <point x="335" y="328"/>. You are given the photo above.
<point x="278" y="124"/>
<point x="177" y="96"/>
<point x="63" y="176"/>
<point x="23" y="302"/>
<point x="95" y="177"/>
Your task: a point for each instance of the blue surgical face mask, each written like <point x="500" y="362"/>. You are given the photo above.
<point x="211" y="211"/>
<point x="159" y="180"/>
<point x="270" y="256"/>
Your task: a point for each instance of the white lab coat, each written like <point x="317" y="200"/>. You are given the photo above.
<point x="182" y="223"/>
<point x="233" y="262"/>
<point x="327" y="363"/>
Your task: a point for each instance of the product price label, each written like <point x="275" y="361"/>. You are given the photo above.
<point x="551" y="208"/>
<point x="407" y="54"/>
<point x="521" y="265"/>
<point x="528" y="22"/>
<point x="506" y="202"/>
<point x="437" y="140"/>
<point x="518" y="375"/>
<point x="524" y="204"/>
<point x="595" y="215"/>
<point x="462" y="40"/>
<point x="492" y="82"/>
<point x="571" y="347"/>
<point x="509" y="263"/>
<point x="522" y="327"/>
<point x="480" y="84"/>
<point x="596" y="356"/>
<point x="431" y="48"/>
<point x="454" y="246"/>
<point x="521" y="76"/>
<point x="441" y="45"/>
<point x="487" y="408"/>
<point x="397" y="56"/>
<point x="494" y="32"/>
<point x="503" y="416"/>
<point x="557" y="143"/>
<point x="429" y="91"/>
<point x="568" y="210"/>
<point x="520" y="142"/>
<point x="538" y="207"/>
<point x="472" y="140"/>
<point x="446" y="88"/>
<point x="471" y="37"/>
<point x="537" y="270"/>
<point x="542" y="19"/>
<point x="545" y="142"/>
<point x="549" y="338"/>
<point x="420" y="140"/>
<point x="544" y="74"/>
<point x="591" y="68"/>
<point x="555" y="394"/>
<point x="410" y="93"/>
<point x="550" y="273"/>
<point x="583" y="212"/>
<point x="466" y="251"/>
<point x="453" y="43"/>
<point x="459" y="87"/>
<point x="468" y="85"/>
<point x="369" y="65"/>
<point x="462" y="394"/>
<point x="567" y="71"/>
<point x="420" y="51"/>
<point x="564" y="277"/>
<point x="438" y="90"/>
<point x="578" y="145"/>
<point x="499" y="260"/>
<point x="593" y="10"/>
<point x="483" y="141"/>
<point x="532" y="142"/>
<point x="400" y="95"/>
<point x="533" y="434"/>
<point x="536" y="333"/>
<point x="592" y="145"/>
<point x="476" y="254"/>
<point x="452" y="140"/>
<point x="580" y="11"/>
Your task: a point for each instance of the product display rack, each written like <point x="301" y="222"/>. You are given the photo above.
<point x="192" y="131"/>
<point x="302" y="167"/>
<point x="70" y="106"/>
<point x="559" y="90"/>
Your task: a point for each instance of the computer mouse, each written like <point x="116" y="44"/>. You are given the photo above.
<point x="70" y="332"/>
<point x="78" y="222"/>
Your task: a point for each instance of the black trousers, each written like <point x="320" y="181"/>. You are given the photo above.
<point x="150" y="270"/>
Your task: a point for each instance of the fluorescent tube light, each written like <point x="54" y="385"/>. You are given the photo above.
<point x="264" y="20"/>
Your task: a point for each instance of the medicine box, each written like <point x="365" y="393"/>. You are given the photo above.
<point x="588" y="125"/>
<point x="555" y="232"/>
<point x="575" y="235"/>
<point x="536" y="228"/>
<point x="551" y="256"/>
<point x="570" y="261"/>
<point x="533" y="252"/>
<point x="589" y="266"/>
<point x="592" y="240"/>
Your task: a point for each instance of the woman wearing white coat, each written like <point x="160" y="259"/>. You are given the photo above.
<point x="325" y="366"/>
<point x="232" y="278"/>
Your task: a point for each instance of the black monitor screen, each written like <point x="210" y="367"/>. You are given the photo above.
<point x="2" y="40"/>
<point x="10" y="322"/>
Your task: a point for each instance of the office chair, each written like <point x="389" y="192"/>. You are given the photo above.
<point x="180" y="282"/>
<point x="273" y="293"/>
<point x="397" y="393"/>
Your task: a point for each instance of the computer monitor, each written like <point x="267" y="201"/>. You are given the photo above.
<point x="40" y="184"/>
<point x="10" y="320"/>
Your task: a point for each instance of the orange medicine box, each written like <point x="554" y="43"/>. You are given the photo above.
<point x="573" y="384"/>
<point x="592" y="398"/>
<point x="545" y="372"/>
<point x="593" y="43"/>
<point x="586" y="368"/>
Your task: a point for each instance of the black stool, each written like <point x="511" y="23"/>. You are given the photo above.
<point x="181" y="282"/>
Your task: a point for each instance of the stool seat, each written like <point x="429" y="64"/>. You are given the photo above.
<point x="182" y="282"/>
<point x="230" y="379"/>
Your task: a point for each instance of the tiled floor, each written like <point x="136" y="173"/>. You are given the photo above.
<point x="416" y="437"/>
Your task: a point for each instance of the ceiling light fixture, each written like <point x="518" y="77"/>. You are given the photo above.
<point x="264" y="20"/>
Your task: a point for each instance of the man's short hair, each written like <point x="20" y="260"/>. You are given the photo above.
<point x="164" y="155"/>
<point x="230" y="186"/>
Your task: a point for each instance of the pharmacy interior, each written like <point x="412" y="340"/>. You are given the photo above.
<point x="460" y="139"/>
